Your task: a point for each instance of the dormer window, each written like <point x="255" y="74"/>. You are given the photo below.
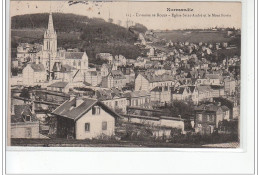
<point x="27" y="118"/>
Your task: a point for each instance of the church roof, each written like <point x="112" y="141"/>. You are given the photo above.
<point x="73" y="55"/>
<point x="37" y="67"/>
<point x="60" y="84"/>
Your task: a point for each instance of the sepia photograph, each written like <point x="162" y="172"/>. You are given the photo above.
<point x="124" y="74"/>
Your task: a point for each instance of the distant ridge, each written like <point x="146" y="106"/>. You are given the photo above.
<point x="93" y="35"/>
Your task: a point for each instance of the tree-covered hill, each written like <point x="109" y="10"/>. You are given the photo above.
<point x="93" y="35"/>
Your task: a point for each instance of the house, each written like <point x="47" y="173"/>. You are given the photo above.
<point x="229" y="85"/>
<point x="77" y="60"/>
<point x="28" y="52"/>
<point x="64" y="72"/>
<point x="162" y="125"/>
<point x="93" y="77"/>
<point x="114" y="79"/>
<point x="213" y="79"/>
<point x="180" y="93"/>
<point x="23" y="123"/>
<point x="119" y="60"/>
<point x="217" y="90"/>
<point x="194" y="94"/>
<point x="113" y="99"/>
<point x="105" y="56"/>
<point x="205" y="93"/>
<point x="226" y="113"/>
<point x="128" y="73"/>
<point x="207" y="118"/>
<point x="148" y="81"/>
<point x="138" y="98"/>
<point x="83" y="118"/>
<point x="104" y="70"/>
<point x="34" y="74"/>
<point x="161" y="95"/>
<point x="232" y="104"/>
<point x="60" y="86"/>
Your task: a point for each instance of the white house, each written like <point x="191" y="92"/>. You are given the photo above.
<point x="34" y="74"/>
<point x="113" y="99"/>
<point x="148" y="82"/>
<point x="83" y="118"/>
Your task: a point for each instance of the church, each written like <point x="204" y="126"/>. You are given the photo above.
<point x="55" y="60"/>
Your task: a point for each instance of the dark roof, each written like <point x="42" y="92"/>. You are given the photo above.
<point x="69" y="110"/>
<point x="73" y="55"/>
<point x="60" y="84"/>
<point x="117" y="74"/>
<point x="159" y="89"/>
<point x="108" y="94"/>
<point x="216" y="87"/>
<point x="19" y="111"/>
<point x="212" y="76"/>
<point x="67" y="68"/>
<point x="192" y="88"/>
<point x="224" y="108"/>
<point x="37" y="67"/>
<point x="159" y="78"/>
<point x="207" y="107"/>
<point x="179" y="90"/>
<point x="56" y="66"/>
<point x="136" y="94"/>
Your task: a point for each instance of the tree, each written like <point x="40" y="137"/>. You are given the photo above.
<point x="25" y="93"/>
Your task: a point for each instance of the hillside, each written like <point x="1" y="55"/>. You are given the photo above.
<point x="93" y="35"/>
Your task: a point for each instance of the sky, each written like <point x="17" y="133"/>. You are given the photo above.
<point x="153" y="15"/>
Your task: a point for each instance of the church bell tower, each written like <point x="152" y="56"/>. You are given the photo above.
<point x="50" y="40"/>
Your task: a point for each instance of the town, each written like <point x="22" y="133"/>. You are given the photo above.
<point x="172" y="93"/>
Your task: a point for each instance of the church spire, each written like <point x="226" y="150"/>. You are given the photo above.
<point x="50" y="39"/>
<point x="50" y="24"/>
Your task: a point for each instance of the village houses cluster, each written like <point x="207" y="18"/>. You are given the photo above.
<point x="87" y="101"/>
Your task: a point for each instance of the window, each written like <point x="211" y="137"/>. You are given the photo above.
<point x="116" y="103"/>
<point x="79" y="63"/>
<point x="208" y="118"/>
<point x="87" y="126"/>
<point x="28" y="118"/>
<point x="212" y="118"/>
<point x="96" y="110"/>
<point x="104" y="126"/>
<point x="199" y="117"/>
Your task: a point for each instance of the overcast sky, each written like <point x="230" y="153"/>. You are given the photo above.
<point x="119" y="10"/>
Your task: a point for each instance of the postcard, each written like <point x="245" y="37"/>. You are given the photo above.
<point x="124" y="74"/>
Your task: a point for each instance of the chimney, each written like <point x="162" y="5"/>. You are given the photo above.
<point x="79" y="101"/>
<point x="37" y="61"/>
<point x="72" y="96"/>
<point x="33" y="107"/>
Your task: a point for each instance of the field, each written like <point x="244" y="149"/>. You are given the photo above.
<point x="194" y="36"/>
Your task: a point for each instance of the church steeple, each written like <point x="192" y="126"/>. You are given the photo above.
<point x="50" y="39"/>
<point x="50" y="24"/>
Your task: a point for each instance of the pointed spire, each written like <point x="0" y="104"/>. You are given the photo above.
<point x="50" y="24"/>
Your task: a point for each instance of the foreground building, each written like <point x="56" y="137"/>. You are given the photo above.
<point x="208" y="117"/>
<point x="23" y="123"/>
<point x="83" y="118"/>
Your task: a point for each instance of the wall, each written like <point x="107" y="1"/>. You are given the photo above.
<point x="95" y="125"/>
<point x="172" y="123"/>
<point x="141" y="83"/>
<point x="28" y="76"/>
<point x="25" y="130"/>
